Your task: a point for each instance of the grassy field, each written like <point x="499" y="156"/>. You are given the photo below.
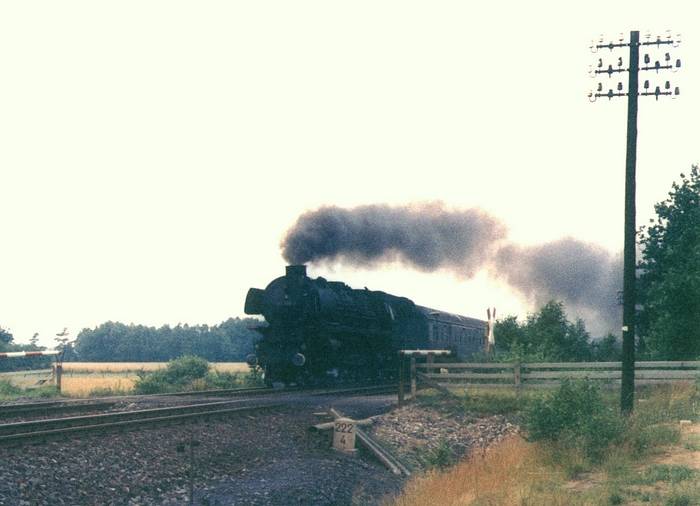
<point x="656" y="462"/>
<point x="81" y="379"/>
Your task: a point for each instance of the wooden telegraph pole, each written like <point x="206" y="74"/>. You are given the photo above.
<point x="630" y="262"/>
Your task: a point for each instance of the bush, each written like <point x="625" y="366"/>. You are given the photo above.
<point x="439" y="457"/>
<point x="180" y="374"/>
<point x="10" y="391"/>
<point x="575" y="415"/>
<point x="190" y="373"/>
<point x="7" y="389"/>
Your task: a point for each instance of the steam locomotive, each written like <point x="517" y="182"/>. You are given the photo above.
<point x="324" y="332"/>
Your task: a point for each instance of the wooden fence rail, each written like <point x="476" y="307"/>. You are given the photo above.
<point x="444" y="375"/>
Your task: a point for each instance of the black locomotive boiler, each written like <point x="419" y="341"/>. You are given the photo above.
<point x="323" y="331"/>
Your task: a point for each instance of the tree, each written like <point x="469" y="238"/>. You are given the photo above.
<point x="5" y="337"/>
<point x="546" y="335"/>
<point x="669" y="286"/>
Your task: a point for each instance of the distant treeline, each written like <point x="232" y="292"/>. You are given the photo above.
<point x="230" y="341"/>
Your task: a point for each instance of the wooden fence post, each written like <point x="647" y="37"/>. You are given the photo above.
<point x="413" y="378"/>
<point x="517" y="378"/>
<point x="429" y="361"/>
<point x="401" y="384"/>
<point x="59" y="374"/>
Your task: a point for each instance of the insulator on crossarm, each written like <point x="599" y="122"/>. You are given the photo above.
<point x="619" y="86"/>
<point x="657" y="92"/>
<point x="667" y="57"/>
<point x="677" y="91"/>
<point x="619" y="61"/>
<point x="647" y="59"/>
<point x="646" y="84"/>
<point x="667" y="85"/>
<point x="600" y="63"/>
<point x="600" y="87"/>
<point x="677" y="40"/>
<point x="592" y="97"/>
<point x="678" y="65"/>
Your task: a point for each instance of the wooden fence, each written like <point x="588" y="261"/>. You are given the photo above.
<point x="542" y="374"/>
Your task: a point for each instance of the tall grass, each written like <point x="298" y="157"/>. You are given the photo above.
<point x="9" y="391"/>
<point x="133" y="367"/>
<point x="558" y="472"/>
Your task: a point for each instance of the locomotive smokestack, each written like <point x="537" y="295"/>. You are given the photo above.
<point x="296" y="271"/>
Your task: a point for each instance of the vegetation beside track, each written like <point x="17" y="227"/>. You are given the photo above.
<point x="576" y="450"/>
<point x="10" y="391"/>
<point x="192" y="373"/>
<point x="114" y="378"/>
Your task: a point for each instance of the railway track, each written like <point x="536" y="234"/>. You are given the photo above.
<point x="20" y="432"/>
<point x="46" y="408"/>
<point x="42" y="429"/>
<point x="77" y="405"/>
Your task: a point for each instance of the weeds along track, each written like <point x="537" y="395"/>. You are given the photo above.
<point x="33" y="430"/>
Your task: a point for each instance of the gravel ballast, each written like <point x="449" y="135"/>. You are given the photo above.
<point x="262" y="458"/>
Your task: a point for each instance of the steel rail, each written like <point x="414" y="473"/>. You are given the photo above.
<point x="76" y="405"/>
<point x="13" y="410"/>
<point x="105" y="424"/>
<point x="44" y="424"/>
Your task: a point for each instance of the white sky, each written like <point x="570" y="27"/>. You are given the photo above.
<point x="154" y="153"/>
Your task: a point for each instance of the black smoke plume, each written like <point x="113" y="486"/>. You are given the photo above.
<point x="425" y="236"/>
<point x="431" y="236"/>
<point x="583" y="275"/>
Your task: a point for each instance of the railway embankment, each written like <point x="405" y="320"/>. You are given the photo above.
<point x="266" y="457"/>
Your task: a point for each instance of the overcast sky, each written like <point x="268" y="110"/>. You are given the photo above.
<point x="154" y="153"/>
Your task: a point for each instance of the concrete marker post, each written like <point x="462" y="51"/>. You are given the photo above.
<point x="344" y="435"/>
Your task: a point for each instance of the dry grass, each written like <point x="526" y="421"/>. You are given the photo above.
<point x="28" y="379"/>
<point x="515" y="472"/>
<point x="89" y="367"/>
<point x="82" y="385"/>
<point x="509" y="473"/>
<point x="80" y="379"/>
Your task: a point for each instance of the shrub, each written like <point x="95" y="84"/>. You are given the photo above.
<point x="185" y="369"/>
<point x="576" y="415"/>
<point x="8" y="389"/>
<point x="179" y="374"/>
<point x="439" y="457"/>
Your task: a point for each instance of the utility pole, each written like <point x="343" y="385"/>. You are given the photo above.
<point x="664" y="62"/>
